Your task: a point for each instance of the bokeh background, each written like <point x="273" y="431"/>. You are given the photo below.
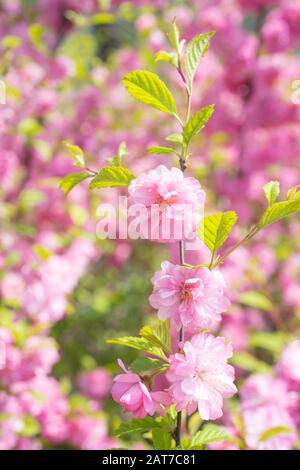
<point x="64" y="292"/>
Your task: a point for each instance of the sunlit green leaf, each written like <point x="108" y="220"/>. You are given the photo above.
<point x="216" y="229"/>
<point x="111" y="177"/>
<point x="278" y="211"/>
<point x="142" y="425"/>
<point x="159" y="150"/>
<point x="142" y="344"/>
<point x="149" y="89"/>
<point x="170" y="57"/>
<point x="209" y="433"/>
<point x="196" y="123"/>
<point x="274" y="432"/>
<point x="195" y="50"/>
<point x="162" y="440"/>
<point x="70" y="181"/>
<point x="159" y="334"/>
<point x="272" y="190"/>
<point x="76" y="153"/>
<point x="143" y="364"/>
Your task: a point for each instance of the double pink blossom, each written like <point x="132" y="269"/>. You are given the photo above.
<point x="168" y="205"/>
<point x="200" y="377"/>
<point x="191" y="297"/>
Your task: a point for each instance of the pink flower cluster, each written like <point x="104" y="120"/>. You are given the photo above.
<point x="191" y="298"/>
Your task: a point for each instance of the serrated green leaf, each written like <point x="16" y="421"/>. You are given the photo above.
<point x="159" y="150"/>
<point x="143" y="364"/>
<point x="209" y="433"/>
<point x="76" y="153"/>
<point x="162" y="440"/>
<point x="272" y="190"/>
<point x="142" y="344"/>
<point x="196" y="123"/>
<point x="176" y="138"/>
<point x="70" y="181"/>
<point x="278" y="211"/>
<point x="195" y="50"/>
<point x="248" y="362"/>
<point x="256" y="300"/>
<point x="158" y="334"/>
<point x="170" y="57"/>
<point x="293" y="193"/>
<point x="274" y="432"/>
<point x="216" y="229"/>
<point x="141" y="425"/>
<point x="149" y="89"/>
<point x="111" y="177"/>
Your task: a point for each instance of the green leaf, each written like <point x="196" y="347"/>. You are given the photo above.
<point x="111" y="177"/>
<point x="117" y="159"/>
<point x="293" y="193"/>
<point x="141" y="425"/>
<point x="272" y="190"/>
<point x="149" y="89"/>
<point x="195" y="50"/>
<point x="196" y="123"/>
<point x="176" y="138"/>
<point x="278" y="211"/>
<point x="216" y="228"/>
<point x="256" y="300"/>
<point x="76" y="153"/>
<point x="103" y="18"/>
<point x="11" y="42"/>
<point x="142" y="344"/>
<point x="162" y="440"/>
<point x="30" y="127"/>
<point x="273" y="341"/>
<point x="174" y="37"/>
<point x="159" y="150"/>
<point x="170" y="57"/>
<point x="35" y="33"/>
<point x="70" y="181"/>
<point x="30" y="427"/>
<point x="143" y="364"/>
<point x="209" y="433"/>
<point x="274" y="432"/>
<point x="248" y="362"/>
<point x="158" y="334"/>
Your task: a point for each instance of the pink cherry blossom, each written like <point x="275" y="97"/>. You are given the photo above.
<point x="201" y="377"/>
<point x="132" y="394"/>
<point x="191" y="297"/>
<point x="178" y="199"/>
